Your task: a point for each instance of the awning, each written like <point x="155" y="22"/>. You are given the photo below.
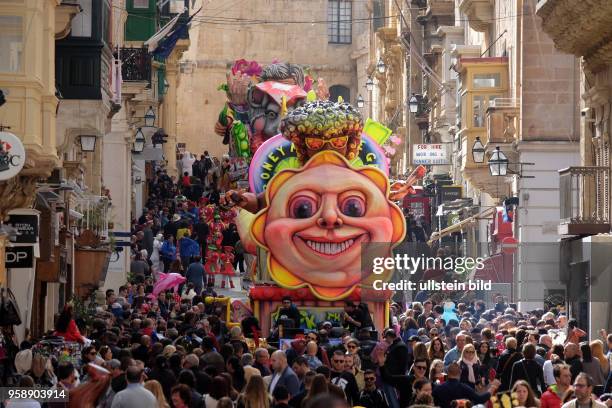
<point x="497" y="268"/>
<point x="436" y="235"/>
<point x="153" y="42"/>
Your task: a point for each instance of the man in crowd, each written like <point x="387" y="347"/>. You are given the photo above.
<point x="371" y="396"/>
<point x="342" y="378"/>
<point x="553" y="397"/>
<point x="283" y="374"/>
<point x="135" y="395"/>
<point x="453" y="389"/>
<point x="583" y="389"/>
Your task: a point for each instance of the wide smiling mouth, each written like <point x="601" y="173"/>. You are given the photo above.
<point x="326" y="247"/>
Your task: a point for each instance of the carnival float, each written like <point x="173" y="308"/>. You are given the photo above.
<point x="312" y="190"/>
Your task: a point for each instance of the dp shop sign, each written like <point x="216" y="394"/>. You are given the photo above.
<point x="429" y="154"/>
<point x="12" y="155"/>
<point x="19" y="257"/>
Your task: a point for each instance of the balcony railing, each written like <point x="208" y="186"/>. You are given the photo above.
<point x="135" y="64"/>
<point x="585" y="202"/>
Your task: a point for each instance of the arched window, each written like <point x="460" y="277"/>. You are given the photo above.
<point x="339" y="90"/>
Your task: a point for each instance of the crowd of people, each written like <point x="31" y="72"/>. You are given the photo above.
<point x="140" y="348"/>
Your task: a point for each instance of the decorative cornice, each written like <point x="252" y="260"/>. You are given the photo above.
<point x="478" y="12"/>
<point x="64" y="13"/>
<point x="581" y="28"/>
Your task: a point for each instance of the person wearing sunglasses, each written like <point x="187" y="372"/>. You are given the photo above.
<point x="371" y="396"/>
<point x="471" y="369"/>
<point x="344" y="379"/>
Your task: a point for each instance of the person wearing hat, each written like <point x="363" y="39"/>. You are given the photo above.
<point x="172" y="226"/>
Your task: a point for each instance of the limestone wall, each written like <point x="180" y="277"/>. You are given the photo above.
<point x="214" y="47"/>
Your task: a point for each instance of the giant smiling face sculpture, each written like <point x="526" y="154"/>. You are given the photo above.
<point x="317" y="219"/>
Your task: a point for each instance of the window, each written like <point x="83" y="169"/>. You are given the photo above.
<point x="339" y="14"/>
<point x="11" y="46"/>
<point x="487" y="80"/>
<point x="141" y="4"/>
<point x="81" y="24"/>
<point x="378" y="13"/>
<point x="480" y="103"/>
<point x="339" y="90"/>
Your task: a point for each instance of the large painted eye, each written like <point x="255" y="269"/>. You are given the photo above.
<point x="353" y="206"/>
<point x="302" y="207"/>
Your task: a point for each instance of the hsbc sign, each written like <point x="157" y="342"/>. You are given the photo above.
<point x="19" y="257"/>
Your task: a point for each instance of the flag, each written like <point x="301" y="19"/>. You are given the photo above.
<point x="165" y="46"/>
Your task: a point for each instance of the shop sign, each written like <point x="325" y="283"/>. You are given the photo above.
<point x="12" y="155"/>
<point x="450" y="193"/>
<point x="26" y="226"/>
<point x="429" y="154"/>
<point x="19" y="257"/>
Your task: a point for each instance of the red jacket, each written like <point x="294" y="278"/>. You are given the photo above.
<point x="550" y="399"/>
<point x="72" y="333"/>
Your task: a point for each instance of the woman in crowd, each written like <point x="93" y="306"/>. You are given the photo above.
<point x="319" y="386"/>
<point x="66" y="326"/>
<point x="436" y="349"/>
<point x="471" y="371"/>
<point x="597" y="351"/>
<point x="155" y="387"/>
<point x="525" y="395"/>
<point x="255" y="394"/>
<point x="591" y="365"/>
<point x="436" y="372"/>
<point x="181" y="397"/>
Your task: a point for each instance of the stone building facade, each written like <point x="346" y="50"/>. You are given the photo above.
<point x="266" y="30"/>
<point x="488" y="70"/>
<point x="584" y="31"/>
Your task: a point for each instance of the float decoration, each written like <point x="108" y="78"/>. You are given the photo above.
<point x="317" y="220"/>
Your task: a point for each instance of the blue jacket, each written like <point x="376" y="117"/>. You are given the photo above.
<point x="195" y="274"/>
<point x="168" y="250"/>
<point x="188" y="247"/>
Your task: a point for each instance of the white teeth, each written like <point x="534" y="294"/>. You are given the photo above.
<point x="330" y="248"/>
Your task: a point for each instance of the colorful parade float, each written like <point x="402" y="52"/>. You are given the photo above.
<point x="313" y="191"/>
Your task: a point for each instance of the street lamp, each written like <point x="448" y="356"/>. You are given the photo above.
<point x="498" y="163"/>
<point x="88" y="143"/>
<point x="414" y="104"/>
<point x="139" y="142"/>
<point x="380" y="66"/>
<point x="369" y="84"/>
<point x="360" y="102"/>
<point x="149" y="117"/>
<point x="478" y="151"/>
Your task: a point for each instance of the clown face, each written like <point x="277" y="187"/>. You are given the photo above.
<point x="317" y="220"/>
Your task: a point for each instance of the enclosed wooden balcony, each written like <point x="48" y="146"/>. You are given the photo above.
<point x="585" y="202"/>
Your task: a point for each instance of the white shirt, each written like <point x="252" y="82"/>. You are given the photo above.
<point x="549" y="377"/>
<point x="275" y="379"/>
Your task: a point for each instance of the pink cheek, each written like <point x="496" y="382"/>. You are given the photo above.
<point x="280" y="228"/>
<point x="379" y="228"/>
